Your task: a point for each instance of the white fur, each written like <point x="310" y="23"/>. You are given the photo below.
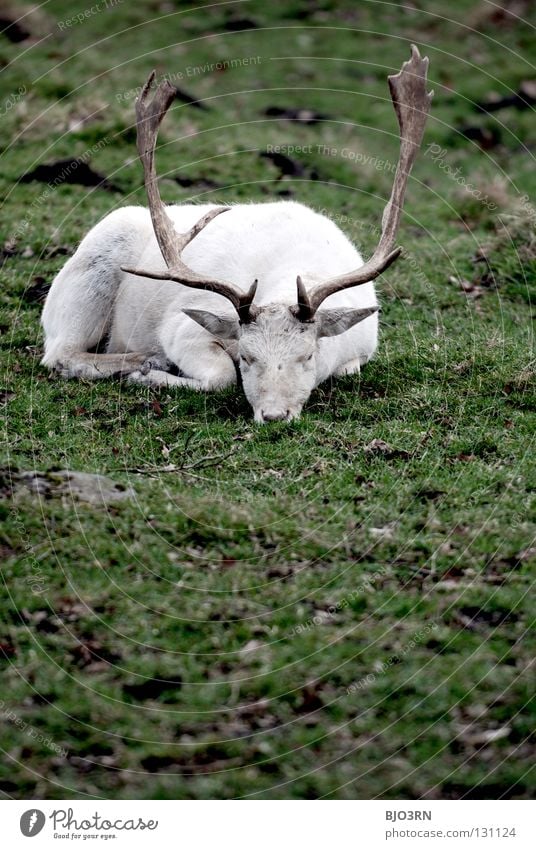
<point x="274" y="242"/>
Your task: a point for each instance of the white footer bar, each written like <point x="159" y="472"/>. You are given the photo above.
<point x="269" y="824"/>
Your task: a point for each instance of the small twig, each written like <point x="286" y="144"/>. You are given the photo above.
<point x="211" y="460"/>
<point x="207" y="461"/>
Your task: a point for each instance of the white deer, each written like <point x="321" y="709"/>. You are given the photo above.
<point x="301" y="306"/>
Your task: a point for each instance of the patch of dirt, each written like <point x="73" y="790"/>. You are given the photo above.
<point x="8" y="250"/>
<point x="13" y="30"/>
<point x="380" y="447"/>
<point x="509" y="251"/>
<point x="239" y="24"/>
<point x="288" y="167"/>
<point x="152" y="688"/>
<point x="485" y="790"/>
<point x="82" y="486"/>
<point x="197" y="183"/>
<point x="37" y="291"/>
<point x="486" y="137"/>
<point x="301" y="116"/>
<point x="20" y="22"/>
<point x="213" y="758"/>
<point x="503" y="14"/>
<point x="7" y="649"/>
<point x="476" y="618"/>
<point x="523" y="98"/>
<point x="71" y="171"/>
<point x="184" y="97"/>
<point x="91" y="653"/>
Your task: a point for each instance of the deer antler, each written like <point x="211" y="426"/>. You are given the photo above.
<point x="149" y="116"/>
<point x="412" y="104"/>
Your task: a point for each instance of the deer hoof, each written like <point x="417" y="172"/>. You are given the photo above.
<point x="157" y="362"/>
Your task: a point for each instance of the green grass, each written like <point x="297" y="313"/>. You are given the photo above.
<point x="201" y="640"/>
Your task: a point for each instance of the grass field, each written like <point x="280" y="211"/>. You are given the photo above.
<point x="339" y="607"/>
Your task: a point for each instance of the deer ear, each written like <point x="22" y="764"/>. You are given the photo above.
<point x="333" y="322"/>
<point x="225" y="328"/>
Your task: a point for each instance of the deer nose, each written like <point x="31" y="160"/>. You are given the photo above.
<point x="275" y="415"/>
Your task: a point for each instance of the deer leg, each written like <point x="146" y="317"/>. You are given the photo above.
<point x="350" y="367"/>
<point x="157" y="378"/>
<point x="202" y="362"/>
<point x="203" y="365"/>
<point x="82" y="364"/>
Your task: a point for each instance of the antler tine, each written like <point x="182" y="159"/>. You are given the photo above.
<point x="304" y="302"/>
<point x="149" y="115"/>
<point x="412" y="105"/>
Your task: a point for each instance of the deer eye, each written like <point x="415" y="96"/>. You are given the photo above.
<point x="247" y="361"/>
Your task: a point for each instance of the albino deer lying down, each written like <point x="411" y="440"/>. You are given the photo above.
<point x="273" y="292"/>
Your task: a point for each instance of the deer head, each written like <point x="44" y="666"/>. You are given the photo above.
<point x="276" y="345"/>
